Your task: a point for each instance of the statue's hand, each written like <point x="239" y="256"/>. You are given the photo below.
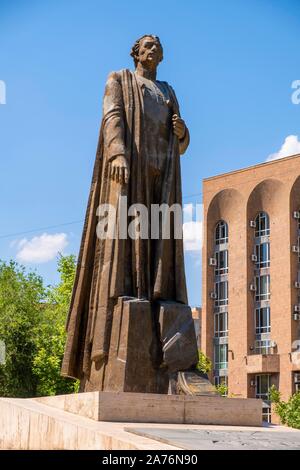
<point x="179" y="126"/>
<point x="119" y="170"/>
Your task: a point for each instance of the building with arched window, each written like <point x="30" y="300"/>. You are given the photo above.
<point x="251" y="279"/>
<point x="220" y="296"/>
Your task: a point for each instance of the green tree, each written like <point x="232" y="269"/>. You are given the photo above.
<point x="288" y="411"/>
<point x="50" y="334"/>
<point x="21" y="297"/>
<point x="204" y="364"/>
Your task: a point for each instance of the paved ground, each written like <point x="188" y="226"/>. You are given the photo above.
<point x="273" y="438"/>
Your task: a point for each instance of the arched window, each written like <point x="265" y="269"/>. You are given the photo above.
<point x="221" y="234"/>
<point x="221" y="303"/>
<point x="262" y="225"/>
<point x="262" y="316"/>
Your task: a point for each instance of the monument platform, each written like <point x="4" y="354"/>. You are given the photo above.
<point x="94" y="420"/>
<point x="156" y="408"/>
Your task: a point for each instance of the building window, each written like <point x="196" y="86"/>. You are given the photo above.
<point x="221" y="235"/>
<point x="222" y="262"/>
<point x="221" y="324"/>
<point x="262" y="288"/>
<point x="221" y="290"/>
<point x="262" y="343"/>
<point x="262" y="225"/>
<point x="221" y="356"/>
<point x="222" y="381"/>
<point x="221" y="300"/>
<point x="262" y="346"/>
<point x="262" y="320"/>
<point x="263" y="384"/>
<point x="262" y="252"/>
<point x="297" y="381"/>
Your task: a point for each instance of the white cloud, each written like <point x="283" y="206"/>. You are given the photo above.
<point x="42" y="248"/>
<point x="192" y="229"/>
<point x="192" y="236"/>
<point x="188" y="210"/>
<point x="291" y="146"/>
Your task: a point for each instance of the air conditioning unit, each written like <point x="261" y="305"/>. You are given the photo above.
<point x="213" y="295"/>
<point x="296" y="215"/>
<point x="252" y="383"/>
<point x="252" y="223"/>
<point x="273" y="344"/>
<point x="297" y="284"/>
<point x="253" y="287"/>
<point x="295" y="249"/>
<point x="254" y="258"/>
<point x="212" y="262"/>
<point x="296" y="316"/>
<point x="297" y="308"/>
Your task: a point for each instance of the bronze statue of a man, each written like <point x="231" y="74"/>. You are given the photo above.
<point x="141" y="138"/>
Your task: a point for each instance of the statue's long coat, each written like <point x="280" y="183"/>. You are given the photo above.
<point x="111" y="268"/>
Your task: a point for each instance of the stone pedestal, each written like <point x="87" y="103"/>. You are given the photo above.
<point x="153" y="408"/>
<point x="150" y="341"/>
<point x="130" y="363"/>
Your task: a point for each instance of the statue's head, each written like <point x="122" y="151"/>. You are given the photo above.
<point x="148" y="51"/>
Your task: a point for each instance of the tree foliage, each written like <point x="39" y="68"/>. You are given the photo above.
<point x="288" y="411"/>
<point x="222" y="389"/>
<point x="50" y="335"/>
<point x="21" y="296"/>
<point x="32" y="327"/>
<point x="204" y="364"/>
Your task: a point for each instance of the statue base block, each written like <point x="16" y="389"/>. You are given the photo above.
<point x="129" y="367"/>
<point x="149" y="342"/>
<point x="156" y="408"/>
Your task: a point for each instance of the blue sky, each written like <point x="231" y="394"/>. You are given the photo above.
<point x="231" y="63"/>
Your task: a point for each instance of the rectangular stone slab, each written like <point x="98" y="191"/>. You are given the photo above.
<point x="155" y="408"/>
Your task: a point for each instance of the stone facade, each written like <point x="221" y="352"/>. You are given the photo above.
<point x="196" y="313"/>
<point x="255" y="282"/>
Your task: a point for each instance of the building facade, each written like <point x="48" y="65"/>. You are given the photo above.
<point x="196" y="314"/>
<point x="251" y="279"/>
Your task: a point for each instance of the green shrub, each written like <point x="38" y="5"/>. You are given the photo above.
<point x="288" y="412"/>
<point x="204" y="364"/>
<point x="222" y="389"/>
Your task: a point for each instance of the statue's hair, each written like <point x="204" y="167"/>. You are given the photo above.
<point x="135" y="48"/>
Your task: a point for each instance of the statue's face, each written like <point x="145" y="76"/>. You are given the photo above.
<point x="150" y="52"/>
